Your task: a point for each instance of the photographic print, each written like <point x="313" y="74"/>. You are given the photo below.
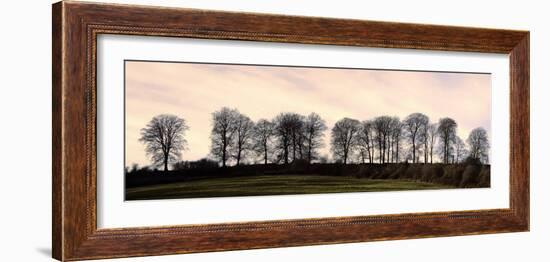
<point x="195" y="130"/>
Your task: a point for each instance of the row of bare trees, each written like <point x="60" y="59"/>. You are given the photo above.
<point x="384" y="138"/>
<point x="289" y="137"/>
<point x="286" y="138"/>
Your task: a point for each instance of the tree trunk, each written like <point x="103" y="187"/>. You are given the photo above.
<point x="385" y="149"/>
<point x="238" y="156"/>
<point x="414" y="151"/>
<point x="300" y="150"/>
<point x="265" y="154"/>
<point x="223" y="157"/>
<point x="425" y="152"/>
<point x="285" y="149"/>
<point x="380" y="150"/>
<point x="345" y="157"/>
<point x="165" y="162"/>
<point x="372" y="152"/>
<point x="389" y="151"/>
<point x="369" y="155"/>
<point x="309" y="153"/>
<point x="224" y="149"/>
<point x="431" y="155"/>
<point x="397" y="151"/>
<point x="445" y="153"/>
<point x="293" y="147"/>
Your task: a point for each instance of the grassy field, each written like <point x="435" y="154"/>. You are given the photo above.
<point x="272" y="185"/>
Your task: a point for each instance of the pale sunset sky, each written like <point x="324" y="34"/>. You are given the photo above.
<point x="193" y="91"/>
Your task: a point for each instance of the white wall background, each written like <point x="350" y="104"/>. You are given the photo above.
<point x="25" y="147"/>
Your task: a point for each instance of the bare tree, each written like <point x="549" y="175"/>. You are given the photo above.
<point x="379" y="138"/>
<point x="382" y="127"/>
<point x="478" y="141"/>
<point x="365" y="141"/>
<point x="415" y="125"/>
<point x="244" y="130"/>
<point x="297" y="135"/>
<point x="164" y="139"/>
<point x="343" y="138"/>
<point x="263" y="133"/>
<point x="460" y="150"/>
<point x="396" y="135"/>
<point x="432" y="137"/>
<point x="223" y="130"/>
<point x="424" y="137"/>
<point x="285" y="125"/>
<point x="447" y="136"/>
<point x="389" y="141"/>
<point x="314" y="127"/>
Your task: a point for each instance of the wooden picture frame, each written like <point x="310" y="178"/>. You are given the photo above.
<point x="76" y="26"/>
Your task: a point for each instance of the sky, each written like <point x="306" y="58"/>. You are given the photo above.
<point x="193" y="91"/>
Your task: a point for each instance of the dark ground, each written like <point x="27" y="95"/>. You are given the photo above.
<point x="255" y="180"/>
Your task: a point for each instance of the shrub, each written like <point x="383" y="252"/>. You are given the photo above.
<point x="452" y="175"/>
<point x="428" y="174"/>
<point x="472" y="161"/>
<point x="470" y="176"/>
<point x="299" y="165"/>
<point x="485" y="177"/>
<point x="412" y="172"/>
<point x="398" y="172"/>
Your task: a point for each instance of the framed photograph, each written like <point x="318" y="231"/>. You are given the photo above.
<point x="181" y="130"/>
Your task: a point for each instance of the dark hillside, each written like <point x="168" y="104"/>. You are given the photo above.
<point x="467" y="175"/>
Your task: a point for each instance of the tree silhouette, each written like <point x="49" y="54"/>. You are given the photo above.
<point x="425" y="137"/>
<point x="460" y="150"/>
<point x="314" y="127"/>
<point x="283" y="132"/>
<point x="263" y="132"/>
<point x="396" y="133"/>
<point x="289" y="134"/>
<point x="478" y="141"/>
<point x="415" y="125"/>
<point x="432" y="137"/>
<point x="365" y="141"/>
<point x="222" y="135"/>
<point x="244" y="130"/>
<point x="343" y="138"/>
<point x="447" y="136"/>
<point x="382" y="126"/>
<point x="164" y="139"/>
<point x="297" y="135"/>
